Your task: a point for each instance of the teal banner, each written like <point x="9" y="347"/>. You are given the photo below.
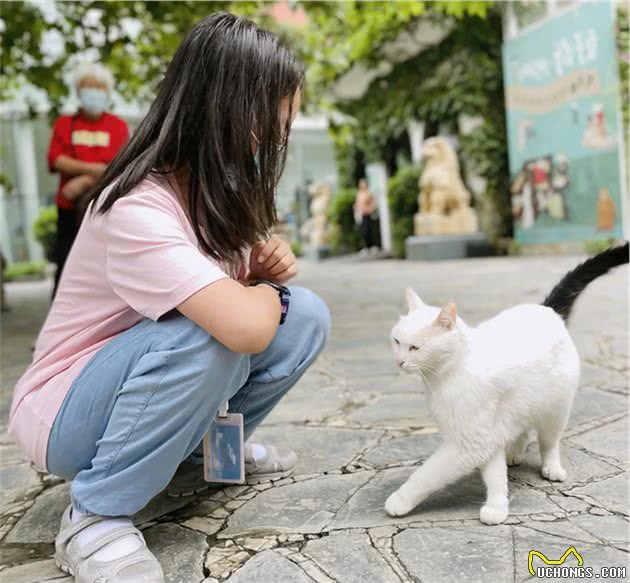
<point x="562" y="104"/>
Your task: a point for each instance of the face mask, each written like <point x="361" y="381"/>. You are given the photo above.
<point x="93" y="100"/>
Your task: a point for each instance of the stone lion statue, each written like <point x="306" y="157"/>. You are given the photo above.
<point x="444" y="201"/>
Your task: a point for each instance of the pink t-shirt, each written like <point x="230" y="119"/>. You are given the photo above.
<point x="139" y="260"/>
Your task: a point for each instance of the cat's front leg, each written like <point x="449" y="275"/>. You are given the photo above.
<point x="494" y="474"/>
<point x="401" y="502"/>
<point x="441" y="469"/>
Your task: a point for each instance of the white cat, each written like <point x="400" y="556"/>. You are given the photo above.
<point x="488" y="386"/>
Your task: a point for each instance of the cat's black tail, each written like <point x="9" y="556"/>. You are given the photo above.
<point x="565" y="293"/>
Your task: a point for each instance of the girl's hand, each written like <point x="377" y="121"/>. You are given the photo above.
<point x="272" y="260"/>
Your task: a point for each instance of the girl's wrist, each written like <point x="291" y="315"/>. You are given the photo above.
<point x="266" y="291"/>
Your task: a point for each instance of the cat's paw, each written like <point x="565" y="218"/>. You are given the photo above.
<point x="398" y="505"/>
<point x="513" y="459"/>
<point x="493" y="514"/>
<point x="554" y="473"/>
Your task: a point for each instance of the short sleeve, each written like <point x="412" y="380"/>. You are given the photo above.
<point x="59" y="142"/>
<point x="152" y="263"/>
<point x="120" y="135"/>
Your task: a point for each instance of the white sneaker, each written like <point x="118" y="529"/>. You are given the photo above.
<point x="140" y="566"/>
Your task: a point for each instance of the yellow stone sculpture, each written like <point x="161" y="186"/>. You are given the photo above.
<point x="316" y="231"/>
<point x="444" y="201"/>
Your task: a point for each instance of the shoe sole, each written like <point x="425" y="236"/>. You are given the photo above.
<point x="249" y="481"/>
<point x="186" y="493"/>
<point x="64" y="568"/>
<point x="265" y="478"/>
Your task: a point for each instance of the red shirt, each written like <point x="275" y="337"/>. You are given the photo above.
<point x="87" y="140"/>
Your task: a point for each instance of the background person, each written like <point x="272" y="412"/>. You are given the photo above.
<point x="80" y="148"/>
<point x="365" y="207"/>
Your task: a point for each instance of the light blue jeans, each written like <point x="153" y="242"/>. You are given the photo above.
<point x="145" y="400"/>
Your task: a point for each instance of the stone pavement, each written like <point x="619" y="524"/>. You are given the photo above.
<point x="360" y="427"/>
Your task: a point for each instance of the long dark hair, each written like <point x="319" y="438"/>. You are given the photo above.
<point x="222" y="89"/>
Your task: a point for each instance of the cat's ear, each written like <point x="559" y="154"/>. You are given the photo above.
<point x="413" y="301"/>
<point x="447" y="317"/>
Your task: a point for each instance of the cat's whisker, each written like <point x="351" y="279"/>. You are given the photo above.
<point x="424" y="378"/>
<point x="430" y="369"/>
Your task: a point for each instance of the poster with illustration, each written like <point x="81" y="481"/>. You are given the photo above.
<point x="564" y="138"/>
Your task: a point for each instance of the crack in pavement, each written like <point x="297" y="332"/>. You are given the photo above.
<point x="513" y="554"/>
<point x="320" y="577"/>
<point x="386" y="552"/>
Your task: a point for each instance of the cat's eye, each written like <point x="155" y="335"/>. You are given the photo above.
<point x="396" y="341"/>
<point x="413" y="348"/>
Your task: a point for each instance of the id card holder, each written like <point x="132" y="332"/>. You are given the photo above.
<point x="223" y="449"/>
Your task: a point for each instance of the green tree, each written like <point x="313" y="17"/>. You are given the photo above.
<point x="345" y="33"/>
<point x="403" y="204"/>
<point x="136" y="39"/>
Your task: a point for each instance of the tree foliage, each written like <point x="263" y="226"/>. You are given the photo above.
<point x="345" y="33"/>
<point x="345" y="236"/>
<point x="136" y="39"/>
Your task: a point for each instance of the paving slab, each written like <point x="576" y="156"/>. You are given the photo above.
<point x="179" y="550"/>
<point x="609" y="440"/>
<point x="319" y="449"/>
<point x="36" y="572"/>
<point x="611" y="493"/>
<point x="16" y="480"/>
<point x="362" y="387"/>
<point x="305" y="507"/>
<point x="269" y="567"/>
<point x="408" y="449"/>
<point x="40" y="523"/>
<point x="409" y="411"/>
<point x="11" y="454"/>
<point x="602" y="377"/>
<point x="612" y="529"/>
<point x="349" y="557"/>
<point x="592" y="403"/>
<point x="301" y="406"/>
<point x="465" y="555"/>
<point x="560" y="528"/>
